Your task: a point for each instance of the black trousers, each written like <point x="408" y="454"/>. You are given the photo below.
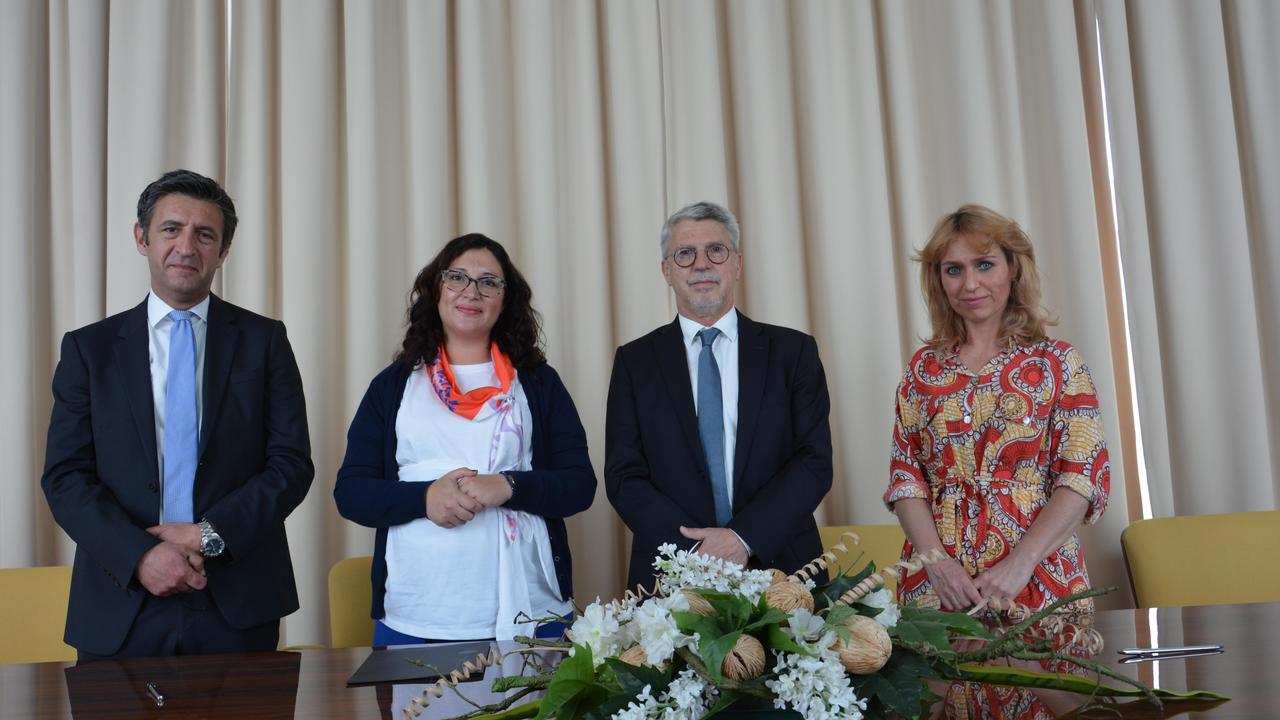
<point x="188" y="624"/>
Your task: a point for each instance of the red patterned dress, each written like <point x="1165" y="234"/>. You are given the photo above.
<point x="986" y="451"/>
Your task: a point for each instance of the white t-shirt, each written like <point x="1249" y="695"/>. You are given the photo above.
<point x="469" y="581"/>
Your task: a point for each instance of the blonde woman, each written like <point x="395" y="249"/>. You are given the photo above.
<point x="998" y="455"/>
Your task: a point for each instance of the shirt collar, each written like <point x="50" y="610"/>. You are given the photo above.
<point x="727" y="325"/>
<point x="158" y="309"/>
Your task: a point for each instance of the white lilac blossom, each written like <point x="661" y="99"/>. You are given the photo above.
<point x="679" y="569"/>
<point x="815" y="687"/>
<point x="883" y="599"/>
<point x="687" y="698"/>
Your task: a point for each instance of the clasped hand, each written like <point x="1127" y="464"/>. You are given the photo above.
<point x="175" y="565"/>
<point x="957" y="591"/>
<point x="456" y="498"/>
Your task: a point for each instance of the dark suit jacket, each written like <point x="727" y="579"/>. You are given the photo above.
<point x="103" y="485"/>
<point x="655" y="471"/>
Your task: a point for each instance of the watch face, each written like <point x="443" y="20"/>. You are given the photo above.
<point x="212" y="546"/>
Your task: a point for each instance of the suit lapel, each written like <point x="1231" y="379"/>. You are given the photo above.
<point x="133" y="363"/>
<point x="673" y="366"/>
<point x="221" y="341"/>
<point x="753" y="361"/>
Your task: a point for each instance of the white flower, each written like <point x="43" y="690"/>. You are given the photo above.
<point x="597" y="628"/>
<point x="656" y="631"/>
<point x="815" y="687"/>
<point x="883" y="599"/>
<point x="687" y="698"/>
<point x="680" y="569"/>
<point x="804" y="625"/>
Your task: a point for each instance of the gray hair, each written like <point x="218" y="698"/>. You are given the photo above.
<point x="700" y="211"/>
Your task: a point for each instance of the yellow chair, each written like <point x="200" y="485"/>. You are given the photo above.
<point x="33" y="613"/>
<point x="1204" y="559"/>
<point x="881" y="544"/>
<point x="350" y="597"/>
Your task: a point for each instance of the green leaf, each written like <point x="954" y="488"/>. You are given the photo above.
<point x="690" y="623"/>
<point x="733" y="611"/>
<point x="770" y="616"/>
<point x="574" y="690"/>
<point x="633" y="678"/>
<point x="955" y="622"/>
<point x="1018" y="677"/>
<point x="825" y="595"/>
<point x="780" y="641"/>
<point x="899" y="685"/>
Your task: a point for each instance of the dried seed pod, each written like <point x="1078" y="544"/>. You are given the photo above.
<point x="788" y="596"/>
<point x="698" y="605"/>
<point x="778" y="576"/>
<point x="634" y="655"/>
<point x="868" y="648"/>
<point x="745" y="661"/>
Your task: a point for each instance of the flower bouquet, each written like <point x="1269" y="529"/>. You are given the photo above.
<point x="713" y="636"/>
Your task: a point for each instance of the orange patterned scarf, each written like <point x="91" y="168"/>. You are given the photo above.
<point x="468" y="405"/>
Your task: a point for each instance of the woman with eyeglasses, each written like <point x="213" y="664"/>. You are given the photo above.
<point x="466" y="455"/>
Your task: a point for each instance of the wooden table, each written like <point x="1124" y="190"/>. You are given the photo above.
<point x="312" y="683"/>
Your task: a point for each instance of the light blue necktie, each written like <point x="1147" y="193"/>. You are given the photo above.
<point x="711" y="423"/>
<point x="180" y="429"/>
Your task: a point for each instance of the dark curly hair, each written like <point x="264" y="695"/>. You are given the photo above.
<point x="518" y="331"/>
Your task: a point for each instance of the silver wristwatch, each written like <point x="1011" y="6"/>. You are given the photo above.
<point x="211" y="544"/>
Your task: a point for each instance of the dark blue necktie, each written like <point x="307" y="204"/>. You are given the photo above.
<point x="180" y="429"/>
<point x="711" y="424"/>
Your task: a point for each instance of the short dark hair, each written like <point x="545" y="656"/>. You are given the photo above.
<point x="193" y="185"/>
<point x="518" y="331"/>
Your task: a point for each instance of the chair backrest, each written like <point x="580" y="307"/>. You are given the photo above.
<point x="881" y="544"/>
<point x="350" y="597"/>
<point x="33" y="613"/>
<point x="1204" y="559"/>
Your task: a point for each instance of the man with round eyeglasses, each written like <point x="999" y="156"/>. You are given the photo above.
<point x="747" y="459"/>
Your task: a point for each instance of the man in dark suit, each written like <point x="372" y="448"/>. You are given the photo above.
<point x="177" y="446"/>
<point x="717" y="431"/>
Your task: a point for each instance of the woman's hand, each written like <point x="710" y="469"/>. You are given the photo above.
<point x="447" y="505"/>
<point x="489" y="490"/>
<point x="956" y="590"/>
<point x="1005" y="580"/>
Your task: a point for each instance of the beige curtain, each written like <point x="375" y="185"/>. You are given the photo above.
<point x="357" y="137"/>
<point x="1192" y="96"/>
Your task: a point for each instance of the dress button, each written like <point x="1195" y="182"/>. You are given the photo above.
<point x="968" y="418"/>
<point x="153" y="487"/>
<point x="1026" y="420"/>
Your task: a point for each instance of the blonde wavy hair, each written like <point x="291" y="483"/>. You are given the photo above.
<point x="1025" y="319"/>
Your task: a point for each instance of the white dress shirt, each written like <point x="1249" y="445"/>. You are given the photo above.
<point x="158" y="329"/>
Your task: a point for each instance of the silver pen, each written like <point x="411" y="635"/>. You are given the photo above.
<point x="154" y="691"/>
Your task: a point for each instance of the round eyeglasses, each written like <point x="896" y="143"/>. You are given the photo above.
<point x="487" y="286"/>
<point x="715" y="252"/>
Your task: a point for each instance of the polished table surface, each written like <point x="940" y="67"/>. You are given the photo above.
<point x="312" y="683"/>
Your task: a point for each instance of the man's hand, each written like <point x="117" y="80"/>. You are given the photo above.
<point x="491" y="490"/>
<point x="169" y="568"/>
<point x="722" y="543"/>
<point x="185" y="535"/>
<point x="447" y="505"/>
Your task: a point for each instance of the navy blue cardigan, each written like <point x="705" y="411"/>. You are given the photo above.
<point x="561" y="483"/>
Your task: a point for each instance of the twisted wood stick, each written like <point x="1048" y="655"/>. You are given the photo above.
<point x="436" y="689"/>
